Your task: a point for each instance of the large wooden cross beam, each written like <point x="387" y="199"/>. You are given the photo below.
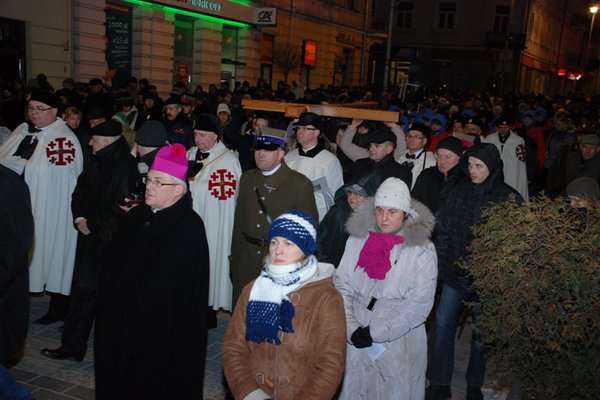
<point x="348" y="110"/>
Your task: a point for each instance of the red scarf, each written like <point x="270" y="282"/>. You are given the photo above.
<point x="374" y="257"/>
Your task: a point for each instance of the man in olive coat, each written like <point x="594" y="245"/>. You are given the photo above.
<point x="265" y="193"/>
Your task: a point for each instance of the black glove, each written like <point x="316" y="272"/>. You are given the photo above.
<point x="361" y="338"/>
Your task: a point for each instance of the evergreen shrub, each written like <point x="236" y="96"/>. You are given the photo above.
<point x="536" y="269"/>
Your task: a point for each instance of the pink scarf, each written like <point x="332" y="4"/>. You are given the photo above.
<point x="374" y="257"/>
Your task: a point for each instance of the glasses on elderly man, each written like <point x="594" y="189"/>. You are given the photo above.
<point x="156" y="182"/>
<point x="411" y="137"/>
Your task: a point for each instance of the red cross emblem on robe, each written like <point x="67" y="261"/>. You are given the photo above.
<point x="222" y="184"/>
<point x="521" y="154"/>
<point x="60" y="151"/>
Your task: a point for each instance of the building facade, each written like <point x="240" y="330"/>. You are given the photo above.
<point x="537" y="46"/>
<point x="197" y="41"/>
<point x="331" y="38"/>
<point x="200" y="42"/>
<point x="561" y="52"/>
<point x="546" y="46"/>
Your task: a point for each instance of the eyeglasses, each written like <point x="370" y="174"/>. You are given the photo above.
<point x="156" y="182"/>
<point x="38" y="109"/>
<point x="408" y="137"/>
<point x="306" y="128"/>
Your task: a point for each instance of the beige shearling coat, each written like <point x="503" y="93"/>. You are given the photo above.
<point x="308" y="364"/>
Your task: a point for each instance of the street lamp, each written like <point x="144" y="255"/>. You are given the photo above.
<point x="593" y="10"/>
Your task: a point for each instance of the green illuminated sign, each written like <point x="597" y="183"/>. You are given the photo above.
<point x="210" y="5"/>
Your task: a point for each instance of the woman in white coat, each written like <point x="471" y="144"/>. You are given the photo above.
<point x="387" y="277"/>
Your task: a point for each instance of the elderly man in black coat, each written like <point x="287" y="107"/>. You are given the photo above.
<point x="150" y="338"/>
<point x="107" y="177"/>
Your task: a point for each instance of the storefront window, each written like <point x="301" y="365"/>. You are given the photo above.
<point x="229" y="61"/>
<point x="183" y="49"/>
<point x="266" y="57"/>
<point x="12" y="50"/>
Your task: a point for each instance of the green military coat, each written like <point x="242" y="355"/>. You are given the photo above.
<point x="282" y="191"/>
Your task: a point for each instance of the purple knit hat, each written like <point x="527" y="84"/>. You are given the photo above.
<point x="172" y="160"/>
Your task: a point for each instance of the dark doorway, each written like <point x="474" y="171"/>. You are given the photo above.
<point x="12" y="50"/>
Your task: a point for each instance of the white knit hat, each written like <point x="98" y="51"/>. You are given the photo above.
<point x="222" y="107"/>
<point x="394" y="193"/>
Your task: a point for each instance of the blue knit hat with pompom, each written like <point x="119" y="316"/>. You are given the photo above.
<point x="298" y="227"/>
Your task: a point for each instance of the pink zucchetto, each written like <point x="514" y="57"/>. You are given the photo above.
<point x="171" y="160"/>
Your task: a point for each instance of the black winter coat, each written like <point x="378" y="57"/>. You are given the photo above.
<point x="386" y="168"/>
<point x="107" y="177"/>
<point x="568" y="166"/>
<point x="461" y="211"/>
<point x="180" y="130"/>
<point x="150" y="338"/>
<point x="16" y="238"/>
<point x="431" y="186"/>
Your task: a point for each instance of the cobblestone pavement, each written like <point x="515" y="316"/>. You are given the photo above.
<point x="67" y="380"/>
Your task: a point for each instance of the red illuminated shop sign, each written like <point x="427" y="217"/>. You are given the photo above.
<point x="309" y="52"/>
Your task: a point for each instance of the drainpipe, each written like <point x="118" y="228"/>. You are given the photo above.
<point x="388" y="49"/>
<point x="363" y="55"/>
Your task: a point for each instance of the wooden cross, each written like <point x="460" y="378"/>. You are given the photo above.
<point x="362" y="111"/>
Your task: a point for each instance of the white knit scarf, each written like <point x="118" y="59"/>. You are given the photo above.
<point x="269" y="309"/>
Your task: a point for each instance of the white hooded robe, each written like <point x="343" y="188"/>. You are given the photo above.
<point x="214" y="193"/>
<point x="51" y="174"/>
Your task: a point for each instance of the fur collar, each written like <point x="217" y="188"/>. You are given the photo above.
<point x="417" y="227"/>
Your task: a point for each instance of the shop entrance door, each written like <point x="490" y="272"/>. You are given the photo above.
<point x="12" y="50"/>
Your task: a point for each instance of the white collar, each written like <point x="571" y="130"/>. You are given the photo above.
<point x="271" y="172"/>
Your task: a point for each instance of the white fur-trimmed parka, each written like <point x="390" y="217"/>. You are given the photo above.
<point x="394" y="367"/>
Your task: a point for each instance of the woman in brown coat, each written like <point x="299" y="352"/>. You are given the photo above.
<point x="287" y="336"/>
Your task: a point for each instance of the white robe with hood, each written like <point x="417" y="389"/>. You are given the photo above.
<point x="51" y="174"/>
<point x="214" y="193"/>
<point x="404" y="300"/>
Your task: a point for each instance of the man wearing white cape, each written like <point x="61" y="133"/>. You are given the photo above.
<point x="214" y="172"/>
<point x="48" y="155"/>
<point x="512" y="151"/>
<point x="314" y="161"/>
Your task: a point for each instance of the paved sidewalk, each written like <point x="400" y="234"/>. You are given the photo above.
<point x="67" y="380"/>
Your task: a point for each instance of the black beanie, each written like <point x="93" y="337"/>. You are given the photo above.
<point x="453" y="144"/>
<point x="107" y="128"/>
<point x="205" y="123"/>
<point x="151" y="134"/>
<point x="46" y="97"/>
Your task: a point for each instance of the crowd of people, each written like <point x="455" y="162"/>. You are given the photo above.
<point x="329" y="240"/>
